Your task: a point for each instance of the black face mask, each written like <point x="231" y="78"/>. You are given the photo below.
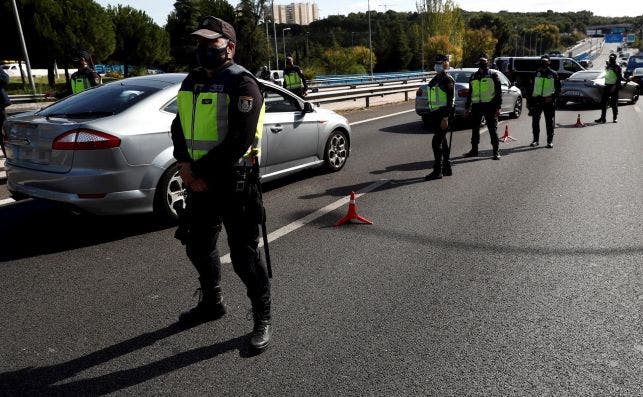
<point x="544" y="65"/>
<point x="612" y="61"/>
<point x="211" y="58"/>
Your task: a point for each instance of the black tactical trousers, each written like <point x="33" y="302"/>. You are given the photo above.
<point x="238" y="212"/>
<point x="609" y="96"/>
<point x="549" y="109"/>
<point x="489" y="113"/>
<point x="3" y="117"/>
<point x="439" y="143"/>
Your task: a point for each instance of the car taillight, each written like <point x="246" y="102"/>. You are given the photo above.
<point x="463" y="93"/>
<point x="419" y="92"/>
<point x="84" y="139"/>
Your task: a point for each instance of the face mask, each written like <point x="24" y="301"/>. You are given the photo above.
<point x="438" y="68"/>
<point x="484" y="66"/>
<point x="544" y="65"/>
<point x="211" y="58"/>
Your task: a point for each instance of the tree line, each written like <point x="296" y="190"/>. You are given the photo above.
<point x="55" y="29"/>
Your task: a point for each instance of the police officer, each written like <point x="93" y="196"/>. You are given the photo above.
<point x="546" y="88"/>
<point x="613" y="78"/>
<point x="484" y="99"/>
<point x="4" y="102"/>
<point x="85" y="77"/>
<point x="216" y="136"/>
<point x="294" y="80"/>
<point x="440" y="100"/>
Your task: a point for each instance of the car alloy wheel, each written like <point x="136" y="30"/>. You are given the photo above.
<point x="517" y="109"/>
<point x="635" y="96"/>
<point x="336" y="151"/>
<point x="169" y="191"/>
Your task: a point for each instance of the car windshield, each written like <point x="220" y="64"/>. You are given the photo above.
<point x="635" y="62"/>
<point x="589" y="75"/>
<point x="98" y="102"/>
<point x="461" y="76"/>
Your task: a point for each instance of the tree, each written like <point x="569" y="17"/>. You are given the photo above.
<point x="252" y="49"/>
<point x="139" y="41"/>
<point x="476" y="42"/>
<point x="443" y="28"/>
<point x="499" y="29"/>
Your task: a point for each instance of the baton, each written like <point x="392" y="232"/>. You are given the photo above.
<point x="264" y="232"/>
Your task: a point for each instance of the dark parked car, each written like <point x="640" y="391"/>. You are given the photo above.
<point x="635" y="61"/>
<point x="587" y="87"/>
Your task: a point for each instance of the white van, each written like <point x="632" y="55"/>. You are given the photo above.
<point x="521" y="70"/>
<point x="13" y="70"/>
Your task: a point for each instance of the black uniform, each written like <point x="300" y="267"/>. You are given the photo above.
<point x="441" y="150"/>
<point x="87" y="72"/>
<point x="235" y="205"/>
<point x="610" y="93"/>
<point x="539" y="105"/>
<point x="486" y="109"/>
<point x="297" y="91"/>
<point x="4" y="102"/>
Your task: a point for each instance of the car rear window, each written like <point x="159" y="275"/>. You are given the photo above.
<point x="585" y="75"/>
<point x="101" y="101"/>
<point x="461" y="76"/>
<point x="635" y="62"/>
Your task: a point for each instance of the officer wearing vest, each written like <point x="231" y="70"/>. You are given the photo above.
<point x="85" y="77"/>
<point x="613" y="78"/>
<point x="484" y="99"/>
<point x="217" y="137"/>
<point x="546" y="88"/>
<point x="441" y="101"/>
<point x="294" y="80"/>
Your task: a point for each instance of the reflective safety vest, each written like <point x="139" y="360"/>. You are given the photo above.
<point x="293" y="80"/>
<point x="436" y="98"/>
<point x="610" y="76"/>
<point x="543" y="86"/>
<point x="204" y="121"/>
<point x="79" y="84"/>
<point x="482" y="90"/>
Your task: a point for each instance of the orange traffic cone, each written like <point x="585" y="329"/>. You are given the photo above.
<point x="352" y="213"/>
<point x="578" y="122"/>
<point x="506" y="137"/>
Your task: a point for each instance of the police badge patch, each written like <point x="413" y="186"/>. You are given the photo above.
<point x="245" y="104"/>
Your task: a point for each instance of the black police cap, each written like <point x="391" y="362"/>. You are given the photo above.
<point x="441" y="58"/>
<point x="212" y="28"/>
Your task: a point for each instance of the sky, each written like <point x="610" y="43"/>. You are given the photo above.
<point x="159" y="9"/>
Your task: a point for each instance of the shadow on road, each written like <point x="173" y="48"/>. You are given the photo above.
<point x="32" y="227"/>
<point x="42" y="381"/>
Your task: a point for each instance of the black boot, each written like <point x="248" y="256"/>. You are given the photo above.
<point x="496" y="154"/>
<point x="435" y="174"/>
<point x="209" y="308"/>
<point x="260" y="336"/>
<point x="600" y="120"/>
<point x="473" y="152"/>
<point x="446" y="168"/>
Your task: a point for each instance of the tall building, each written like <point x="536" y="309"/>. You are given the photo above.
<point x="294" y="13"/>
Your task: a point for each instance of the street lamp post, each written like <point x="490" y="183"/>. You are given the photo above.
<point x="274" y="31"/>
<point x="283" y="38"/>
<point x="24" y="47"/>
<point x="370" y="41"/>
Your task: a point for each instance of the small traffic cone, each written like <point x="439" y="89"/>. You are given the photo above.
<point x="506" y="137"/>
<point x="578" y="122"/>
<point x="352" y="213"/>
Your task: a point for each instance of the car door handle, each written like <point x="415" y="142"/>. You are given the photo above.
<point x="276" y="129"/>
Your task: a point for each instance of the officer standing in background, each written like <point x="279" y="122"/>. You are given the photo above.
<point x="484" y="99"/>
<point x="294" y="80"/>
<point x="546" y="88"/>
<point x="216" y="135"/>
<point x="85" y="77"/>
<point x="440" y="100"/>
<point x="613" y="78"/>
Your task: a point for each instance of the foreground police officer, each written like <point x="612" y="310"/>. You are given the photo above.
<point x="546" y="88"/>
<point x="484" y="99"/>
<point x="440" y="100"/>
<point x="85" y="77"/>
<point x="613" y="78"/>
<point x="294" y="80"/>
<point x="216" y="134"/>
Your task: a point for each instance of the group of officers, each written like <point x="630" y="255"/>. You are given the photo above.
<point x="484" y="99"/>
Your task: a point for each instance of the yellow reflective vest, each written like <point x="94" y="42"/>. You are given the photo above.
<point x="204" y="119"/>
<point x="482" y="90"/>
<point x="543" y="86"/>
<point x="610" y="76"/>
<point x="293" y="80"/>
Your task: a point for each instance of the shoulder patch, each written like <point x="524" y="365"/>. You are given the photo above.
<point x="245" y="104"/>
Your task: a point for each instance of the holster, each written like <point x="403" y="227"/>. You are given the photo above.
<point x="182" y="232"/>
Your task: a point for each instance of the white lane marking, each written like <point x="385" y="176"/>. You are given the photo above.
<point x="6" y="201"/>
<point x="381" y="117"/>
<point x="637" y="109"/>
<point x="291" y="227"/>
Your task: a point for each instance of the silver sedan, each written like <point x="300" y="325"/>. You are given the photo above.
<point x="511" y="95"/>
<point x="587" y="87"/>
<point x="108" y="150"/>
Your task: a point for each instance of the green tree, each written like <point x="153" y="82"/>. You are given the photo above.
<point x="476" y="42"/>
<point x="444" y="20"/>
<point x="139" y="41"/>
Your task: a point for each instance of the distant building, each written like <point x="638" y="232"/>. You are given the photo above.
<point x="294" y="13"/>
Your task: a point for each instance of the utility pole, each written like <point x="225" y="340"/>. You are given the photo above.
<point x="24" y="47"/>
<point x="274" y="30"/>
<point x="370" y="41"/>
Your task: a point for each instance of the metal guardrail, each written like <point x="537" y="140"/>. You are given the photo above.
<point x="27" y="98"/>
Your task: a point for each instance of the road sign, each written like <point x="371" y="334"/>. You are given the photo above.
<point x="631" y="38"/>
<point x="614" y="38"/>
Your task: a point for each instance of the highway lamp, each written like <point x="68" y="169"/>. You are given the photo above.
<point x="274" y="31"/>
<point x="283" y="38"/>
<point x="24" y="47"/>
<point x="265" y="22"/>
<point x="370" y="41"/>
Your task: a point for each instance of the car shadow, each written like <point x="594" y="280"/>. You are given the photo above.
<point x="46" y="381"/>
<point x="35" y="227"/>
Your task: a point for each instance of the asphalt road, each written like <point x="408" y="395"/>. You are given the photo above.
<point x="513" y="277"/>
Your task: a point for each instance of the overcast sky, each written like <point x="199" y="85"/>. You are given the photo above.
<point x="159" y="9"/>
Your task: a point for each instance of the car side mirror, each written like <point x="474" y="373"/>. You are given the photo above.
<point x="308" y="107"/>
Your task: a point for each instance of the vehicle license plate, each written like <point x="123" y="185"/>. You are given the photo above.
<point x="573" y="93"/>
